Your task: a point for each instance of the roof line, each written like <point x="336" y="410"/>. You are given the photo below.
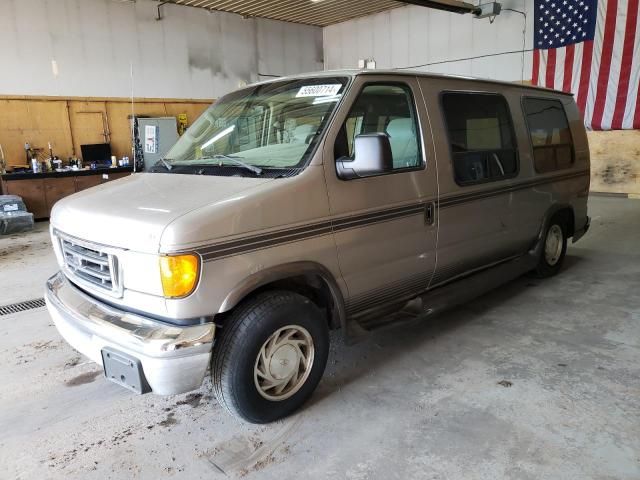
<point x="415" y="73"/>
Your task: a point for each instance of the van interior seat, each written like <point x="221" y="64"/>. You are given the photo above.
<point x="404" y="145"/>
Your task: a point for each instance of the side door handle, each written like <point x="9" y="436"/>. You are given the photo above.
<point x="430" y="213"/>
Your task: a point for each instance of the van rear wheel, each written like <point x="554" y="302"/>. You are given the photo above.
<point x="554" y="248"/>
<point x="270" y="356"/>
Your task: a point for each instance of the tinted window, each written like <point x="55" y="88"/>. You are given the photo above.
<point x="550" y="134"/>
<point x="481" y="137"/>
<point x="384" y="109"/>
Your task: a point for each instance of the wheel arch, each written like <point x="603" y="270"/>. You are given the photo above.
<point x="563" y="209"/>
<point x="307" y="278"/>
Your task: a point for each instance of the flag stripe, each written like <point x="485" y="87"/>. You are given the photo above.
<point x="634" y="93"/>
<point x="536" y="67"/>
<point x="558" y="77"/>
<point x="542" y="72"/>
<point x="551" y="68"/>
<point x="583" y="92"/>
<point x="627" y="61"/>
<point x="568" y="68"/>
<point x="596" y="57"/>
<point x="577" y="68"/>
<point x="636" y="117"/>
<point x="605" y="64"/>
<point x="613" y="90"/>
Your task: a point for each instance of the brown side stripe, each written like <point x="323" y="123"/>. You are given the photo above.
<point x="279" y="237"/>
<point x="264" y="241"/>
<point x="377" y="217"/>
<point x="259" y="242"/>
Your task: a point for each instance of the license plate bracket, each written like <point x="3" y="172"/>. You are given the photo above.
<point x="125" y="370"/>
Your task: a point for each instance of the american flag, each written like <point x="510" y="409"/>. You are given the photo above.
<point x="592" y="49"/>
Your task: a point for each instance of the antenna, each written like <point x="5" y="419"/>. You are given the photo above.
<point x="133" y="121"/>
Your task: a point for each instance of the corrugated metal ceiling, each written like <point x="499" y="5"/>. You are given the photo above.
<point x="320" y="12"/>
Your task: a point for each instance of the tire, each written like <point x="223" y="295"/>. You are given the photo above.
<point x="273" y="323"/>
<point x="554" y="248"/>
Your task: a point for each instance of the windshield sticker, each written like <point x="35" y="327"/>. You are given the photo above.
<point x="319" y="90"/>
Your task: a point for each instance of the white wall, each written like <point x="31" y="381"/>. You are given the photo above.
<point x="414" y="35"/>
<point x="191" y="53"/>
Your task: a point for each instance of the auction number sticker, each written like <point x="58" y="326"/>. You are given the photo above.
<point x="328" y="90"/>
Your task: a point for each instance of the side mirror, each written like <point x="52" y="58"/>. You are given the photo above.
<point x="372" y="157"/>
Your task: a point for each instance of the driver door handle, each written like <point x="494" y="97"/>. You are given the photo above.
<point x="430" y="213"/>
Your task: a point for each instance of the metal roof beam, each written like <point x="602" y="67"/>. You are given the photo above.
<point x="454" y="6"/>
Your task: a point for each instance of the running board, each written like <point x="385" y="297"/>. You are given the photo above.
<point x="449" y="295"/>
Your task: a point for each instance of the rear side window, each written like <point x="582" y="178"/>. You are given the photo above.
<point x="550" y="134"/>
<point x="481" y="135"/>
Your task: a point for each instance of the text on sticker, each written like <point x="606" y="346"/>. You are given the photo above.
<point x="319" y="90"/>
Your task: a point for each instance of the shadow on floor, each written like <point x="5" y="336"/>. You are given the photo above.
<point x="400" y="339"/>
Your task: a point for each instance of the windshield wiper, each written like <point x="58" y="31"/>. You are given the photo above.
<point x="237" y="161"/>
<point x="166" y="164"/>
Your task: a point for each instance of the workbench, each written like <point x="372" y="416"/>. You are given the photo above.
<point x="41" y="190"/>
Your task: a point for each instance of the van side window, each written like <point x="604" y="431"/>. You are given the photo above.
<point x="481" y="135"/>
<point x="550" y="134"/>
<point x="384" y="109"/>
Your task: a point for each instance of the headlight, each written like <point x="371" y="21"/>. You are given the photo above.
<point x="179" y="274"/>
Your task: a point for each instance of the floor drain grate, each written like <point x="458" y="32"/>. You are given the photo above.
<point x="22" y="306"/>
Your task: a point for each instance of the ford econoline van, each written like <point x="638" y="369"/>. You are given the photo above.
<point x="348" y="200"/>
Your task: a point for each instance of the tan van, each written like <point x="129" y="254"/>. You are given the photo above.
<point x="346" y="199"/>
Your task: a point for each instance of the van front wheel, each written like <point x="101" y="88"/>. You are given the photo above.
<point x="554" y="248"/>
<point x="270" y="356"/>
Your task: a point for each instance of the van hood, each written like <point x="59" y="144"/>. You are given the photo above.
<point x="133" y="212"/>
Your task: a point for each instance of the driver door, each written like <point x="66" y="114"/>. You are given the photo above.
<point x="385" y="225"/>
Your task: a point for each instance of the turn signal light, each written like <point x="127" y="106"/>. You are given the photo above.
<point x="179" y="274"/>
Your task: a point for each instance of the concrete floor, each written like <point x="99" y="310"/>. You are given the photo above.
<point x="422" y="402"/>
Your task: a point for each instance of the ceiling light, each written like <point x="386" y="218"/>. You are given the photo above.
<point x="455" y="6"/>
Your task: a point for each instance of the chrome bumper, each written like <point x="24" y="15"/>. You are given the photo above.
<point x="174" y="359"/>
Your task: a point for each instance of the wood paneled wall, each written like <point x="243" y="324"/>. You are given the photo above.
<point x="615" y="161"/>
<point x="70" y="122"/>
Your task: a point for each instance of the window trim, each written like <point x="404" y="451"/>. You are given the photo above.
<point x="413" y="105"/>
<point x="531" y="147"/>
<point x="451" y="153"/>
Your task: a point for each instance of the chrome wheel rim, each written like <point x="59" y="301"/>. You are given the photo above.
<point x="284" y="363"/>
<point x="553" y="245"/>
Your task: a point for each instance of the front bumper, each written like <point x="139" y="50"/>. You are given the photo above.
<point x="174" y="359"/>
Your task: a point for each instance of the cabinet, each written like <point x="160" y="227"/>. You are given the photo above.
<point x="41" y="191"/>
<point x="32" y="192"/>
<point x="82" y="183"/>
<point x="57" y="188"/>
<point x="114" y="176"/>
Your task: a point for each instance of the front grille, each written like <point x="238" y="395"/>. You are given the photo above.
<point x="90" y="264"/>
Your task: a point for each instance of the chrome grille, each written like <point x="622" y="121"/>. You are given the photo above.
<point x="90" y="264"/>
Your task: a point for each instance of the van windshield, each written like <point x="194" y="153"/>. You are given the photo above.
<point x="269" y="127"/>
